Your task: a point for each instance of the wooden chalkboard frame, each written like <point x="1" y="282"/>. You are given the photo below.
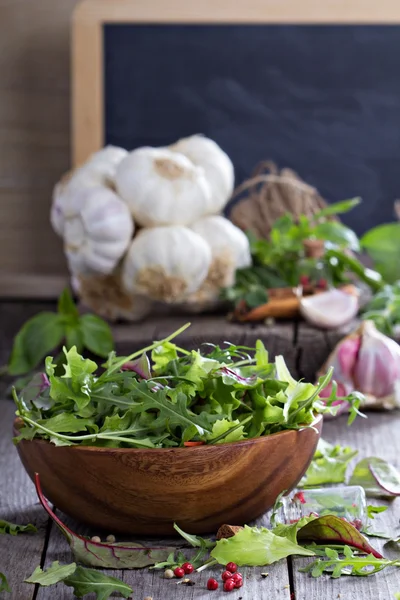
<point x="91" y="15"/>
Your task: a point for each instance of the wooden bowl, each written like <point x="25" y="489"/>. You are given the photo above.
<point x="144" y="491"/>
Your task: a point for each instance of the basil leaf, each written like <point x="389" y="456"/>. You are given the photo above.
<point x="66" y="305"/>
<point x="38" y="336"/>
<point x="383" y="245"/>
<point x="97" y="336"/>
<point x="338" y="234"/>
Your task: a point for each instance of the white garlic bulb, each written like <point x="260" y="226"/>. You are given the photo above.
<point x="98" y="170"/>
<point x="162" y="187"/>
<point x="217" y="165"/>
<point x="166" y="263"/>
<point x="97" y="230"/>
<point x="230" y="250"/>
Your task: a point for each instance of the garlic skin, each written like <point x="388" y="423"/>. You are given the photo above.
<point x="162" y="187"/>
<point x="217" y="165"/>
<point x="97" y="230"/>
<point x="106" y="296"/>
<point x="369" y="362"/>
<point x="330" y="309"/>
<point x="225" y="240"/>
<point x="166" y="263"/>
<point x="98" y="170"/>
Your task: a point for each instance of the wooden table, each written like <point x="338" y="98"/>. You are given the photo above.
<point x="378" y="435"/>
<point x="375" y="436"/>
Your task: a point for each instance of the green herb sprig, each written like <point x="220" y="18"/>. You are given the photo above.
<point x="46" y="331"/>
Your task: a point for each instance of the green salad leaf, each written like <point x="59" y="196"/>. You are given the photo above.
<point x="89" y="581"/>
<point x="220" y="395"/>
<point x="254" y="547"/>
<point x="15" y="529"/>
<point x="379" y="478"/>
<point x="347" y="563"/>
<point x="4" y="587"/>
<point x="52" y="575"/>
<point x="130" y="555"/>
<point x="329" y="464"/>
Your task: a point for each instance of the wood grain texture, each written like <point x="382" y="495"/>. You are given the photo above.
<point x="18" y="504"/>
<point x="375" y="436"/>
<point x="34" y="134"/>
<point x="144" y="492"/>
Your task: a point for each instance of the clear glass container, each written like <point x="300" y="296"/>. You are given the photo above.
<point x="348" y="502"/>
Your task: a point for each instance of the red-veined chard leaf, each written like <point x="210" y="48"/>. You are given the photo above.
<point x="108" y="556"/>
<point x="334" y="530"/>
<point x="379" y="478"/>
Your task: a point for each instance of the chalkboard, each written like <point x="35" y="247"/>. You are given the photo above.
<point x="324" y="100"/>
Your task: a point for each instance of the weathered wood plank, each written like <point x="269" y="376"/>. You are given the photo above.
<point x="151" y="583"/>
<point x="375" y="436"/>
<point x="19" y="555"/>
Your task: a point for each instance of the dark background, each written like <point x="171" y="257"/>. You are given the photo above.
<point x="324" y="100"/>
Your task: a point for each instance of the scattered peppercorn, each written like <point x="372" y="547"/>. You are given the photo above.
<point x="232" y="567"/>
<point x="111" y="539"/>
<point x="96" y="539"/>
<point x="357" y="524"/>
<point x="264" y="575"/>
<point x="187" y="582"/>
<point x="237" y="577"/>
<point x="304" y="280"/>
<point x="179" y="572"/>
<point x="212" y="584"/>
<point x="188" y="568"/>
<point x="168" y="574"/>
<point x="148" y="598"/>
<point x="226" y="575"/>
<point x="238" y="583"/>
<point x="229" y="585"/>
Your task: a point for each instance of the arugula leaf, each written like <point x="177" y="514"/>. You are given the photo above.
<point x="88" y="581"/>
<point x="109" y="556"/>
<point x="53" y="574"/>
<point x="256" y="547"/>
<point x="4" y="587"/>
<point x="378" y="478"/>
<point x="349" y="564"/>
<point x="329" y="464"/>
<point x="194" y="540"/>
<point x="38" y="336"/>
<point x="14" y="529"/>
<point x="375" y="510"/>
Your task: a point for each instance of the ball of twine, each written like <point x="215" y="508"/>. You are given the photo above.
<point x="270" y="195"/>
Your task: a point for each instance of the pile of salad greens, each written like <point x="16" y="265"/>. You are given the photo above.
<point x="176" y="398"/>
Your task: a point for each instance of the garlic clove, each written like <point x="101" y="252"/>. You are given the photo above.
<point x="378" y="364"/>
<point x="98" y="229"/>
<point x="162" y="187"/>
<point x="217" y="165"/>
<point x="330" y="309"/>
<point x="225" y="240"/>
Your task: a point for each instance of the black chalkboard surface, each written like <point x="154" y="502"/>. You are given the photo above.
<point x="321" y="99"/>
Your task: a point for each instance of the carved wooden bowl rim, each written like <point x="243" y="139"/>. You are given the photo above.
<point x="18" y="423"/>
